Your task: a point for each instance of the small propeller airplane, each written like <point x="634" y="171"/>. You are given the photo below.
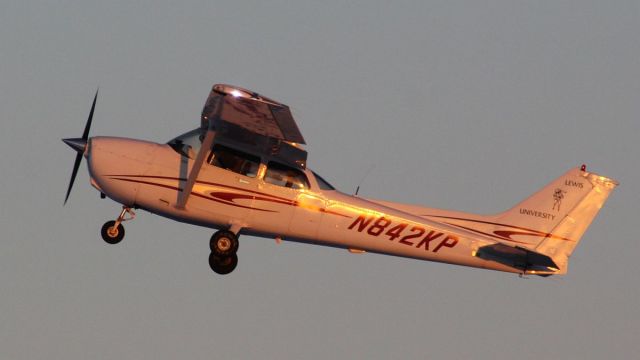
<point x="244" y="171"/>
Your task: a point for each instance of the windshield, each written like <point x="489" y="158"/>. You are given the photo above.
<point x="187" y="144"/>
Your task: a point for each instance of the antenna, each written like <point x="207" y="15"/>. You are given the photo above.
<point x="364" y="177"/>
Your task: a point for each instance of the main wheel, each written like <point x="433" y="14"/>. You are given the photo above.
<point x="112" y="234"/>
<point x="223" y="265"/>
<point x="224" y="243"/>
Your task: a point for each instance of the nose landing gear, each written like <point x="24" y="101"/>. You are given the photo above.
<point x="112" y="231"/>
<point x="224" y="245"/>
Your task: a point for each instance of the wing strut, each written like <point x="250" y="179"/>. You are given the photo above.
<point x="195" y="169"/>
<point x="215" y="107"/>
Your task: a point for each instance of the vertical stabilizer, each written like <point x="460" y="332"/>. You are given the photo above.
<point x="557" y="216"/>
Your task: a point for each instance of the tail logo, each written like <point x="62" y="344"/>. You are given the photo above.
<point x="573" y="183"/>
<point x="558" y="195"/>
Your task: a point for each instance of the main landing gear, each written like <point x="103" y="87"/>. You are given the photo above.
<point x="224" y="245"/>
<point x="112" y="231"/>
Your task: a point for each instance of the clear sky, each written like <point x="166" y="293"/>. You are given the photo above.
<point x="466" y="105"/>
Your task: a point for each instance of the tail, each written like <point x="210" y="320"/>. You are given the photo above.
<point x="552" y="221"/>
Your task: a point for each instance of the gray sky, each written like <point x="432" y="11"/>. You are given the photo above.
<point x="467" y="105"/>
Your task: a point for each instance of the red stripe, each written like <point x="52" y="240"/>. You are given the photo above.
<point x="203" y="182"/>
<point x="222" y="197"/>
<point x="532" y="232"/>
<point x="487" y="234"/>
<point x="193" y="193"/>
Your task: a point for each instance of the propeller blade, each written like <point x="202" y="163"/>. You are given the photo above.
<point x="76" y="165"/>
<point x="79" y="144"/>
<point x="87" y="127"/>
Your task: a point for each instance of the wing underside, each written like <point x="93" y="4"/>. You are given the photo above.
<point x="253" y="123"/>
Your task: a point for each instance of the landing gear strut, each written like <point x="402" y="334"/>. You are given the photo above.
<point x="112" y="231"/>
<point x="224" y="245"/>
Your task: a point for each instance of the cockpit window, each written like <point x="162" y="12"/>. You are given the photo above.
<point x="322" y="183"/>
<point x="282" y="175"/>
<point x="234" y="160"/>
<point x="187" y="144"/>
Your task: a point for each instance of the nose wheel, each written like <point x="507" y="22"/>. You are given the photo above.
<point x="112" y="231"/>
<point x="224" y="245"/>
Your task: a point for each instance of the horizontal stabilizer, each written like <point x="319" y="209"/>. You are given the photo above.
<point x="518" y="257"/>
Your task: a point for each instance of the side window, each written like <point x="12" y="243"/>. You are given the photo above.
<point x="234" y="160"/>
<point x="322" y="183"/>
<point x="282" y="175"/>
<point x="187" y="144"/>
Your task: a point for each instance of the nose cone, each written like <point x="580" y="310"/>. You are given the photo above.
<point x="113" y="160"/>
<point x="77" y="144"/>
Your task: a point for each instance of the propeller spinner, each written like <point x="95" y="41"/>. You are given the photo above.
<point x="79" y="145"/>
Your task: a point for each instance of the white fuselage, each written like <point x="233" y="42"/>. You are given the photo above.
<point x="150" y="176"/>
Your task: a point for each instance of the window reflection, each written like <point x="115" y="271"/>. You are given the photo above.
<point x="282" y="175"/>
<point x="234" y="160"/>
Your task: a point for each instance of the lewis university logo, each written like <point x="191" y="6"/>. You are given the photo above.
<point x="558" y="195"/>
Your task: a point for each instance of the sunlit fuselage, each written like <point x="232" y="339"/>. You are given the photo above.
<point x="150" y="176"/>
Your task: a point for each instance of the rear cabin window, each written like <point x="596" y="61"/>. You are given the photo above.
<point x="286" y="176"/>
<point x="234" y="160"/>
<point x="322" y="183"/>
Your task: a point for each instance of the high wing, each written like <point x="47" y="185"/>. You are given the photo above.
<point x="250" y="122"/>
<point x="231" y="105"/>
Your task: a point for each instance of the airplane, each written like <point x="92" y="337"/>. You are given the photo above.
<point x="243" y="171"/>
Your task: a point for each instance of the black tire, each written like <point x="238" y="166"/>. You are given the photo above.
<point x="223" y="265"/>
<point x="224" y="243"/>
<point x="112" y="238"/>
